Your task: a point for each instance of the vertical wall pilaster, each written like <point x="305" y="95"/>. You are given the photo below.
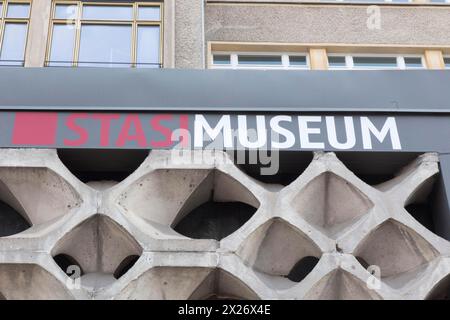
<point x="434" y="59"/>
<point x="318" y="59"/>
<point x="37" y="33"/>
<point x="189" y="34"/>
<point x="169" y="34"/>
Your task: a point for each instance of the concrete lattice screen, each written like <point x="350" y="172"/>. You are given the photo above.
<point x="175" y="229"/>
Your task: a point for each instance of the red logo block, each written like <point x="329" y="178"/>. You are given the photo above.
<point x="35" y="128"/>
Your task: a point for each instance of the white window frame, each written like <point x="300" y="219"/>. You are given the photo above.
<point x="234" y="60"/>
<point x="399" y="57"/>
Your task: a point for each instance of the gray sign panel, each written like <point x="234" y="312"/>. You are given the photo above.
<point x="224" y="90"/>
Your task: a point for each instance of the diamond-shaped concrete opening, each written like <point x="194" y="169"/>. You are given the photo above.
<point x="441" y="291"/>
<point x="221" y="285"/>
<point x="32" y="197"/>
<point x="341" y="285"/>
<point x="302" y="268"/>
<point x="201" y="204"/>
<point x="101" y="248"/>
<point x="376" y="167"/>
<point x="423" y="204"/>
<point x="125" y="265"/>
<point x="280" y="251"/>
<point x="11" y="221"/>
<point x="102" y="168"/>
<point x="216" y="208"/>
<point x="65" y="262"/>
<point x="29" y="282"/>
<point x="399" y="252"/>
<point x="214" y="220"/>
<point x="261" y="166"/>
<point x="331" y="203"/>
<point x="180" y="283"/>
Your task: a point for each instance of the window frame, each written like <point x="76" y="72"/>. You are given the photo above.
<point x="284" y="58"/>
<point x="135" y="23"/>
<point x="400" y="61"/>
<point x="5" y="20"/>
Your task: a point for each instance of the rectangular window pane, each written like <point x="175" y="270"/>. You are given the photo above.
<point x="63" y="39"/>
<point x="18" y="10"/>
<point x="297" y="61"/>
<point x="148" y="47"/>
<point x="221" y="59"/>
<point x="413" y="62"/>
<point x="260" y="60"/>
<point x="105" y="45"/>
<point x="337" y="62"/>
<point x="95" y="12"/>
<point x="13" y="47"/>
<point x="375" y="62"/>
<point x="447" y="62"/>
<point x="66" y="11"/>
<point x="149" y="13"/>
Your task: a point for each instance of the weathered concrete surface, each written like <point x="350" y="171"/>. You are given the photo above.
<point x="189" y="35"/>
<point x="345" y="24"/>
<point x="311" y="239"/>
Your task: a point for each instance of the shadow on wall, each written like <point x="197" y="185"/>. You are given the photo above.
<point x="214" y="220"/>
<point x="102" y="165"/>
<point x="11" y="222"/>
<point x="441" y="291"/>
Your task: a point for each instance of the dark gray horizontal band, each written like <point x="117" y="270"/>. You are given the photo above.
<point x="415" y="91"/>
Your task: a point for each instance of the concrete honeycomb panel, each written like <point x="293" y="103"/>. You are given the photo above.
<point x="323" y="236"/>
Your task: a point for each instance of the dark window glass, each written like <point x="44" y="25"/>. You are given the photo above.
<point x="297" y="60"/>
<point x="336" y="62"/>
<point x="260" y="60"/>
<point x="375" y="62"/>
<point x="221" y="59"/>
<point x="447" y="62"/>
<point x="414" y="62"/>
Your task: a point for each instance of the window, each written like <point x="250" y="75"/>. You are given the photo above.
<point x="87" y="34"/>
<point x="14" y="29"/>
<point x="259" y="61"/>
<point x="447" y="62"/>
<point x="374" y="62"/>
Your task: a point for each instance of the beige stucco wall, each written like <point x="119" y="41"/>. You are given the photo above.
<point x="327" y="23"/>
<point x="189" y="39"/>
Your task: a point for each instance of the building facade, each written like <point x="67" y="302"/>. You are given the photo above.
<point x="225" y="149"/>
